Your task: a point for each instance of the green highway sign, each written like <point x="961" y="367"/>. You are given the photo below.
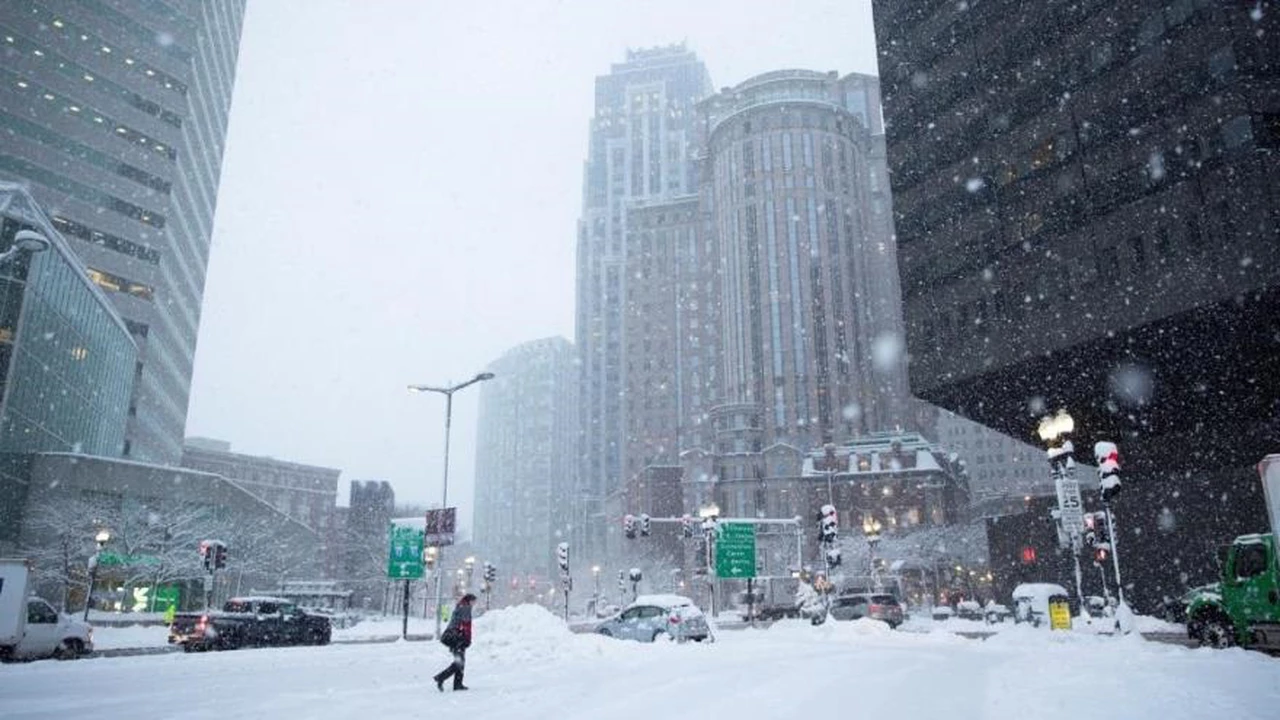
<point x="736" y="550"/>
<point x="404" y="561"/>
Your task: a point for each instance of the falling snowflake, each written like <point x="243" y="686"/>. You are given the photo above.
<point x="974" y="184"/>
<point x="886" y="352"/>
<point x="1132" y="384"/>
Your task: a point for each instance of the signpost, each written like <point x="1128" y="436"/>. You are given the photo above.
<point x="441" y="525"/>
<point x="404" y="561"/>
<point x="736" y="550"/>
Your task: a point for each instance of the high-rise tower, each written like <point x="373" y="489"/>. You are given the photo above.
<point x="524" y="457"/>
<point x="115" y="116"/>
<point x="641" y="137"/>
<point x="797" y="188"/>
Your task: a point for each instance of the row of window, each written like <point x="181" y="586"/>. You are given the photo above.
<point x="89" y="194"/>
<point x="86" y="77"/>
<point x="73" y="32"/>
<point x="47" y="137"/>
<point x="111" y="242"/>
<point x="103" y="122"/>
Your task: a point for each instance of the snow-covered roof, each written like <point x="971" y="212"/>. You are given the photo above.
<point x="1039" y="590"/>
<point x="662" y="600"/>
<point x="260" y="598"/>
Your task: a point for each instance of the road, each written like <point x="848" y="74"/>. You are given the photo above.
<point x="526" y="665"/>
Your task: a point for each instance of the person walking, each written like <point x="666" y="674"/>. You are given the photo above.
<point x="457" y="637"/>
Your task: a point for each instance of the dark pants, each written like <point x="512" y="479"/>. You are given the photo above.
<point x="455" y="668"/>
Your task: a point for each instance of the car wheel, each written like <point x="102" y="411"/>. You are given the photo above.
<point x="70" y="649"/>
<point x="658" y="634"/>
<point x="605" y="632"/>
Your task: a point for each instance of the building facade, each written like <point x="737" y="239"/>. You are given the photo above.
<point x="305" y="493"/>
<point x="671" y="332"/>
<point x="525" y="462"/>
<point x="1086" y="215"/>
<point x="641" y="137"/>
<point x="797" y="191"/>
<point x="66" y="358"/>
<point x="114" y="116"/>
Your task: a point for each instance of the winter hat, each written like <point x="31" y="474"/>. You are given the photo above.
<point x="468" y="598"/>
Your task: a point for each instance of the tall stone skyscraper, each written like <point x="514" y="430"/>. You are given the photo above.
<point x="640" y="151"/>
<point x="115" y="116"/>
<point x="525" y="459"/>
<point x="810" y="308"/>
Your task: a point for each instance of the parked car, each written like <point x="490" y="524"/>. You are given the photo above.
<point x="877" y="606"/>
<point x="29" y="627"/>
<point x="969" y="610"/>
<point x="652" y="617"/>
<point x="942" y="612"/>
<point x="248" y="622"/>
<point x="995" y="612"/>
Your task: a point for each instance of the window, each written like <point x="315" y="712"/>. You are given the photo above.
<point x="40" y="613"/>
<point x="1237" y="132"/>
<point x="1251" y="560"/>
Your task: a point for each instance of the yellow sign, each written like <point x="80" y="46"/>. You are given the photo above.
<point x="1059" y="615"/>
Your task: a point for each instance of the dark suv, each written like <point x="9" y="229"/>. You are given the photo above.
<point x="877" y="606"/>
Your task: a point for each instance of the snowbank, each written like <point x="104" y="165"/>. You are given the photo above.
<point x="530" y="633"/>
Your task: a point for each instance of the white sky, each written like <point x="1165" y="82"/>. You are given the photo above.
<point x="399" y="201"/>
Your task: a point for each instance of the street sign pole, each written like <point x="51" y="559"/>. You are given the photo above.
<point x="404" y="627"/>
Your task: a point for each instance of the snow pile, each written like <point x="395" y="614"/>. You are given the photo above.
<point x="531" y="633"/>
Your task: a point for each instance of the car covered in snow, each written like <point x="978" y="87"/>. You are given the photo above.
<point x="877" y="606"/>
<point x="654" y="617"/>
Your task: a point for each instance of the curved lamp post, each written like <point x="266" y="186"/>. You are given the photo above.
<point x="448" y="420"/>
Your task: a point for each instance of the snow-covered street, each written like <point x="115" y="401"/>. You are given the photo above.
<point x="525" y="664"/>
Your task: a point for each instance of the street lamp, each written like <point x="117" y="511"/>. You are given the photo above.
<point x="871" y="529"/>
<point x="595" y="575"/>
<point x="101" y="539"/>
<point x="448" y="420"/>
<point x="25" y="241"/>
<point x="1055" y="431"/>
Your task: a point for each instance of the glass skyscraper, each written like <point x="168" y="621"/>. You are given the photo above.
<point x="114" y="115"/>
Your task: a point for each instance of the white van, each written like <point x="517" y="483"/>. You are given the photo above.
<point x="29" y="627"/>
<point x="1031" y="602"/>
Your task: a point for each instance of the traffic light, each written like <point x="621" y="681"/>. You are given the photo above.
<point x="828" y="522"/>
<point x="220" y="556"/>
<point x="686" y="526"/>
<point x="1100" y="553"/>
<point x="490" y="572"/>
<point x="1108" y="457"/>
<point x="833" y="557"/>
<point x="206" y="552"/>
<point x="629" y="526"/>
<point x="562" y="557"/>
<point x="644" y="525"/>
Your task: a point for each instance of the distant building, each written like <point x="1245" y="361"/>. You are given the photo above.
<point x="361" y="535"/>
<point x="525" y="460"/>
<point x="306" y="493"/>
<point x="641" y="140"/>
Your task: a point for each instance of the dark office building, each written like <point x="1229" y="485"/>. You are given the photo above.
<point x="1084" y="197"/>
<point x="114" y="115"/>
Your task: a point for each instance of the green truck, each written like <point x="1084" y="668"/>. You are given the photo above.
<point x="1243" y="607"/>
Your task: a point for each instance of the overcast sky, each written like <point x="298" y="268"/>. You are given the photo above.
<point x="398" y="205"/>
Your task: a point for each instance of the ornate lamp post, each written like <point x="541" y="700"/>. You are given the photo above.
<point x="1055" y="431"/>
<point x="101" y="539"/>
<point x="871" y="530"/>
